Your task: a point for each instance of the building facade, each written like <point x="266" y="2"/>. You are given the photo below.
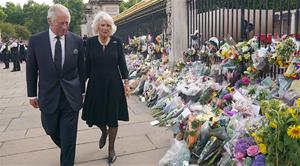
<point x="92" y="8"/>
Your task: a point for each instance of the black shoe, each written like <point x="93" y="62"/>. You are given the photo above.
<point x="102" y="141"/>
<point x="6" y="68"/>
<point x="13" y="71"/>
<point x="112" y="158"/>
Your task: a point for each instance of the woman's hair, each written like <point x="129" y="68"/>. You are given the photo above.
<point x="103" y="16"/>
<point x="53" y="10"/>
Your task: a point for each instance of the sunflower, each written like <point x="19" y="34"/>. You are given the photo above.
<point x="294" y="131"/>
<point x="293" y="112"/>
<point x="298" y="102"/>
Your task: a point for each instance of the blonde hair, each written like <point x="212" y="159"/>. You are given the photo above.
<point x="103" y="16"/>
<point x="53" y="10"/>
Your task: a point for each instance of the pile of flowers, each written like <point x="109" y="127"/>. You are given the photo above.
<point x="223" y="103"/>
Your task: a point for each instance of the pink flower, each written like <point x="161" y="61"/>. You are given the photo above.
<point x="245" y="81"/>
<point x="252" y="150"/>
<point x="239" y="156"/>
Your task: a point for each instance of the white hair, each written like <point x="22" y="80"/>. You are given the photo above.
<point x="53" y="10"/>
<point x="103" y="16"/>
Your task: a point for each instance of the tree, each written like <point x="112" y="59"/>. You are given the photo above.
<point x="22" y="32"/>
<point x="76" y="10"/>
<point x="14" y="13"/>
<point x="3" y="15"/>
<point x="35" y="16"/>
<point x="7" y="31"/>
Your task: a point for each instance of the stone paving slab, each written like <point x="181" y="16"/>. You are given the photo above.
<point x="146" y="158"/>
<point x="35" y="132"/>
<point x="26" y="145"/>
<point x="160" y="139"/>
<point x="14" y="109"/>
<point x="10" y="115"/>
<point x="4" y="124"/>
<point x="48" y="157"/>
<point x="31" y="113"/>
<point x="12" y="135"/>
<point x="24" y="123"/>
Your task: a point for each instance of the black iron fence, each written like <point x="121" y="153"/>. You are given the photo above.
<point x="243" y="19"/>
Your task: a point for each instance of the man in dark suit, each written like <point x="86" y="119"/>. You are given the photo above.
<point x="5" y="55"/>
<point x="15" y="55"/>
<point x="56" y="60"/>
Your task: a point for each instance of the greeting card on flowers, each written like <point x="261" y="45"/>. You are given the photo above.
<point x="237" y="96"/>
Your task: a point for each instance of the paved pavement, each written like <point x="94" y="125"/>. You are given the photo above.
<point x="24" y="142"/>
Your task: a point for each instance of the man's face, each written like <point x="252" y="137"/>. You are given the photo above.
<point x="104" y="29"/>
<point x="60" y="24"/>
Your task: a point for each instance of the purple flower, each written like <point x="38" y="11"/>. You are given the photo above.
<point x="227" y="97"/>
<point x="238" y="84"/>
<point x="259" y="160"/>
<point x="243" y="144"/>
<point x="229" y="111"/>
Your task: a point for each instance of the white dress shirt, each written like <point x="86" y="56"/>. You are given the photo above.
<point x="2" y="48"/>
<point x="53" y="42"/>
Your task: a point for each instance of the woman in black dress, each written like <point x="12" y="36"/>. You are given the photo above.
<point x="105" y="102"/>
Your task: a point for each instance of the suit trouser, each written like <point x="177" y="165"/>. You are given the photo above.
<point x="62" y="128"/>
<point x="6" y="60"/>
<point x="16" y="61"/>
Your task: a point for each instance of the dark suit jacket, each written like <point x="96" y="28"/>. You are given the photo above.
<point x="40" y="68"/>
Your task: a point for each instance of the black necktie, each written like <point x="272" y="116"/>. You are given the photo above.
<point x="58" y="54"/>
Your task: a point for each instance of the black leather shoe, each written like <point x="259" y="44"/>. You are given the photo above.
<point x="102" y="141"/>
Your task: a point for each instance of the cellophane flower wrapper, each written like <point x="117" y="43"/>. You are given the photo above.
<point x="284" y="83"/>
<point x="176" y="155"/>
<point x="259" y="58"/>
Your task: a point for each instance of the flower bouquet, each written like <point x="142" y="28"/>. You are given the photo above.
<point x="280" y="132"/>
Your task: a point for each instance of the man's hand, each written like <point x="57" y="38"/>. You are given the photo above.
<point x="34" y="103"/>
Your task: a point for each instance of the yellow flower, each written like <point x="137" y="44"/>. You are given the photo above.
<point x="230" y="89"/>
<point x="294" y="131"/>
<point x="273" y="124"/>
<point x="298" y="102"/>
<point x="214" y="94"/>
<point x="267" y="115"/>
<point x="280" y="63"/>
<point x="262" y="148"/>
<point x="257" y="138"/>
<point x="293" y="112"/>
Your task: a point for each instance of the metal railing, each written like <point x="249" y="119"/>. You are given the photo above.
<point x="243" y="19"/>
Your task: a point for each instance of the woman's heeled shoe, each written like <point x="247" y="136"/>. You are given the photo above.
<point x="102" y="141"/>
<point x="112" y="158"/>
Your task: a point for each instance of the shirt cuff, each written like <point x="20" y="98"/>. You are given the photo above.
<point x="30" y="98"/>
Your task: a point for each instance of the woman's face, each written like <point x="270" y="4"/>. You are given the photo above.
<point x="104" y="29"/>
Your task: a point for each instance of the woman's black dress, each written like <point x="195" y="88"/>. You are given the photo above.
<point x="105" y="102"/>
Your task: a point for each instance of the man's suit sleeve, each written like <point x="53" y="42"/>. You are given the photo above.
<point x="31" y="70"/>
<point x="81" y="66"/>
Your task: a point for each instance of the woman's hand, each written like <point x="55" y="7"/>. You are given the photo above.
<point x="126" y="88"/>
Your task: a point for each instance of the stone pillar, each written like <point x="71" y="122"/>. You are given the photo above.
<point x="178" y="25"/>
<point x="293" y="22"/>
